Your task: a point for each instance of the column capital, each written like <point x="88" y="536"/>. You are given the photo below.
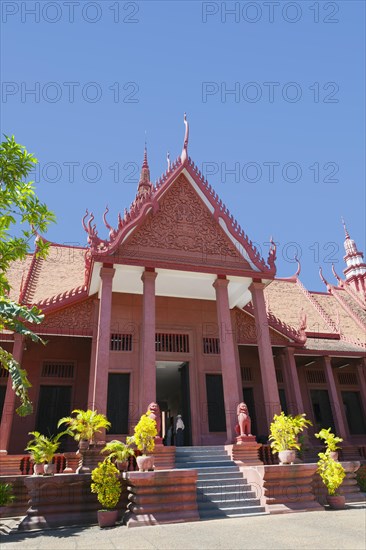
<point x="220" y="283"/>
<point x="149" y="275"/>
<point x="106" y="272"/>
<point x="257" y="285"/>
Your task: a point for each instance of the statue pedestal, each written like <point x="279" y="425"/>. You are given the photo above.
<point x="246" y="450"/>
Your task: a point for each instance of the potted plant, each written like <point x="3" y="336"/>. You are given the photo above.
<point x="43" y="449"/>
<point x="107" y="486"/>
<point x="284" y="432"/>
<point x="332" y="474"/>
<point x="85" y="425"/>
<point x="37" y="457"/>
<point x="330" y="441"/>
<point x="6" y="495"/>
<point x="120" y="452"/>
<point x="144" y="438"/>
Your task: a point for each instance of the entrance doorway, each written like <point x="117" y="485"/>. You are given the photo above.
<point x="172" y="395"/>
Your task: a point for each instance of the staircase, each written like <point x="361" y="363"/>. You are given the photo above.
<point x="222" y="491"/>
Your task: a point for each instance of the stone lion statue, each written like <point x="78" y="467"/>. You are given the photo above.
<point x="244" y="422"/>
<point x="155" y="414"/>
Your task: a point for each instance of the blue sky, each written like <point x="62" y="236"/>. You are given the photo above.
<point x="291" y="131"/>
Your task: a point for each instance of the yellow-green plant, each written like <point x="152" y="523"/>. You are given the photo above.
<point x="106" y="484"/>
<point x="329" y="438"/>
<point x="284" y="431"/>
<point x="331" y="472"/>
<point x="144" y="434"/>
<point x="85" y="424"/>
<point x="43" y="448"/>
<point x="118" y="450"/>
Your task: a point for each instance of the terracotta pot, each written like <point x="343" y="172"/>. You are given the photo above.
<point x="337" y="502"/>
<point x="145" y="463"/>
<point x="287" y="457"/>
<point x="83" y="445"/>
<point x="107" y="518"/>
<point x="333" y="454"/>
<point x="38" y="469"/>
<point x="49" y="469"/>
<point x="122" y="465"/>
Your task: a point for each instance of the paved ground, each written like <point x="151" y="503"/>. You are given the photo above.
<point x="326" y="530"/>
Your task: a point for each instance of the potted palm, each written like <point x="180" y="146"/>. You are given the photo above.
<point x="37" y="457"/>
<point x="85" y="425"/>
<point x="144" y="438"/>
<point x="331" y="441"/>
<point x="6" y="495"/>
<point x="107" y="486"/>
<point x="43" y="450"/>
<point x="284" y="433"/>
<point x="332" y="475"/>
<point x="120" y="452"/>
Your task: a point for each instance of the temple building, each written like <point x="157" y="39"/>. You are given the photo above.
<point x="176" y="305"/>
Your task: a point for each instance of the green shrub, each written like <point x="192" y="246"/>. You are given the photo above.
<point x="106" y="484"/>
<point x="331" y="472"/>
<point x="361" y="477"/>
<point x="284" y="431"/>
<point x="6" y="494"/>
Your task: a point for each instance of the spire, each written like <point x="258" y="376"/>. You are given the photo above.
<point x="145" y="184"/>
<point x="345" y="228"/>
<point x="355" y="271"/>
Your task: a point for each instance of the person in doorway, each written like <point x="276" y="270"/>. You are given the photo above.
<point x="169" y="433"/>
<point x="179" y="429"/>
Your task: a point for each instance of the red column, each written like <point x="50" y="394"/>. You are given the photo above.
<point x="93" y="354"/>
<point x="229" y="366"/>
<point x="295" y="404"/>
<point x="268" y="373"/>
<point x="147" y="347"/>
<point x="100" y="386"/>
<point x="335" y="404"/>
<point x="10" y="399"/>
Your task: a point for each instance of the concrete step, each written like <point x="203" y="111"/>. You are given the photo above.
<point x="236" y="511"/>
<point x="218" y="479"/>
<point x="226" y="485"/>
<point x="237" y="496"/>
<point x="227" y="465"/>
<point x="223" y="504"/>
<point x="216" y="468"/>
<point x="182" y="450"/>
<point x="202" y="456"/>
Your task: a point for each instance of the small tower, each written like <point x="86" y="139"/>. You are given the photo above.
<point x="145" y="184"/>
<point x="355" y="271"/>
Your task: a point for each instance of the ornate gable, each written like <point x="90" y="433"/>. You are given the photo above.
<point x="183" y="230"/>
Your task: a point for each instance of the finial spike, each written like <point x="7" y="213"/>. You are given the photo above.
<point x="184" y="155"/>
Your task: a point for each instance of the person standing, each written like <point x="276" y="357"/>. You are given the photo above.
<point x="179" y="431"/>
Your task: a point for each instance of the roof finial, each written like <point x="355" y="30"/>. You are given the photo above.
<point x="168" y="160"/>
<point x="144" y="183"/>
<point x="345" y="228"/>
<point x="184" y="154"/>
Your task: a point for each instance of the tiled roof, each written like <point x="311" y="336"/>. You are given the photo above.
<point x="17" y="273"/>
<point x="318" y="344"/>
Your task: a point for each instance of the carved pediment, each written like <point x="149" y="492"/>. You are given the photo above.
<point x="246" y="331"/>
<point x="76" y="319"/>
<point x="183" y="230"/>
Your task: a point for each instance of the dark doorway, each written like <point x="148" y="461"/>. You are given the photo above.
<point x="2" y="399"/>
<point x="54" y="402"/>
<point x="118" y="402"/>
<point x="215" y="403"/>
<point x="323" y="417"/>
<point x="354" y="414"/>
<point x="173" y="397"/>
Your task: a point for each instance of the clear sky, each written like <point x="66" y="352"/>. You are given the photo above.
<point x="82" y="82"/>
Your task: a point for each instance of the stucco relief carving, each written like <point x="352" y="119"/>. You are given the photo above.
<point x="183" y="224"/>
<point x="77" y="318"/>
